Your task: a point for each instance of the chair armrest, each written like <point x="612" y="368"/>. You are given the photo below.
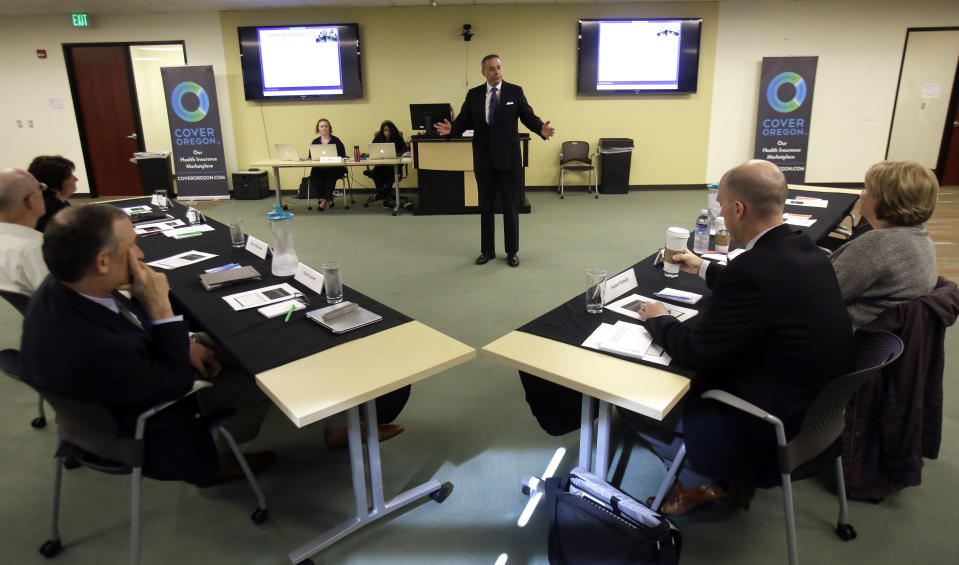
<point x="749" y="408"/>
<point x="842" y="230"/>
<point x="142" y="418"/>
<point x="560" y="154"/>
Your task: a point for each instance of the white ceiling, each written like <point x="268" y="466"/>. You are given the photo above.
<point x="53" y="7"/>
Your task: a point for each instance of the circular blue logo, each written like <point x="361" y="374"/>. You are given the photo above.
<point x="772" y="92"/>
<point x="176" y="100"/>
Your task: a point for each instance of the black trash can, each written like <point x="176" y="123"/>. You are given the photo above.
<point x="156" y="172"/>
<point x="615" y="154"/>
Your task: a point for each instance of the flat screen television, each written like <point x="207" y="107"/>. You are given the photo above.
<point x="638" y="56"/>
<point x="301" y="62"/>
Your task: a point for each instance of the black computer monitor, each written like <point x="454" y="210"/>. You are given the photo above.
<point x="423" y="116"/>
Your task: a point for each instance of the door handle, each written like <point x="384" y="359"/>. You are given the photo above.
<point x="132" y="136"/>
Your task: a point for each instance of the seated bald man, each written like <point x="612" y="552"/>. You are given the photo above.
<point x="82" y="339"/>
<point x="21" y="205"/>
<point x="775" y="334"/>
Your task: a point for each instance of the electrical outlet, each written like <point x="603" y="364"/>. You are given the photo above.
<point x="19" y="123"/>
<point x="29" y="123"/>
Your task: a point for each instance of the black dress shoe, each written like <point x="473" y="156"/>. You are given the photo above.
<point x="483" y="259"/>
<point x="512" y="261"/>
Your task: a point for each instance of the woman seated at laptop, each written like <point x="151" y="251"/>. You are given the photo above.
<point x="895" y="261"/>
<point x="383" y="174"/>
<point x="56" y="173"/>
<point x="323" y="179"/>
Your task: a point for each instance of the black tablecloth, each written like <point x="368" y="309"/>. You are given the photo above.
<point x="826" y="218"/>
<point x="256" y="343"/>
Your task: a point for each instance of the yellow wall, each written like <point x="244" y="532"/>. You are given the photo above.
<point x="415" y="55"/>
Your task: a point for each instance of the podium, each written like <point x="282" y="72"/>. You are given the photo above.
<point x="444" y="167"/>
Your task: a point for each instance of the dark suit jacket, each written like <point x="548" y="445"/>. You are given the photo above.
<point x="775" y="334"/>
<point x="78" y="349"/>
<point x="496" y="148"/>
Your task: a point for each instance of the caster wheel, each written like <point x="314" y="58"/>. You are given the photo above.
<point x="286" y="206"/>
<point x="596" y="197"/>
<point x="50" y="548"/>
<point x="443" y="493"/>
<point x="394" y="212"/>
<point x="845" y="532"/>
<point x="70" y="463"/>
<point x="367" y="205"/>
<point x="260" y="515"/>
<point x="39" y="422"/>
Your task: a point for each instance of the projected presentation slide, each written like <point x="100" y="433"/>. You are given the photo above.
<point x="300" y="61"/>
<point x="640" y="54"/>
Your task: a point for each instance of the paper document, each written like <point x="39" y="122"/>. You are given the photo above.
<point x="808" y="201"/>
<point x="262" y="296"/>
<point x="627" y="339"/>
<point x="177" y="232"/>
<point x="137" y="210"/>
<point x="181" y="260"/>
<point x="629" y="306"/>
<point x="143" y="229"/>
<point x="801" y="220"/>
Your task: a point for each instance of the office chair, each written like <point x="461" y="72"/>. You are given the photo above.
<point x="347" y="190"/>
<point x="94" y="430"/>
<point x="20" y="301"/>
<point x="821" y="427"/>
<point x="577" y="152"/>
<point x="404" y="201"/>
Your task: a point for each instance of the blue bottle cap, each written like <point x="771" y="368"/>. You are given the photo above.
<point x="279" y="214"/>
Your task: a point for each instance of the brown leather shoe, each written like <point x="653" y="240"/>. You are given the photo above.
<point x="230" y="469"/>
<point x="681" y="500"/>
<point x="337" y="438"/>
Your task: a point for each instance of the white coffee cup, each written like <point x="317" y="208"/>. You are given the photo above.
<point x="676" y="239"/>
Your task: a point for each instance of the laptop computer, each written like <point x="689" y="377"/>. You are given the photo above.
<point x="287" y="152"/>
<point x="382" y="151"/>
<point x="318" y="150"/>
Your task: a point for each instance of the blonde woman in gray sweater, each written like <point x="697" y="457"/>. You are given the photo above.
<point x="895" y="261"/>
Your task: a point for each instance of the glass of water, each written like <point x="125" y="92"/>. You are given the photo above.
<point x="159" y="196"/>
<point x="332" y="281"/>
<point x="595" y="291"/>
<point x="237" y="237"/>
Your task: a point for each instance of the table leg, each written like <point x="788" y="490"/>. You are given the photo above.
<point x="586" y="434"/>
<point x="601" y="464"/>
<point x="364" y="515"/>
<point x="396" y="188"/>
<point x="276" y="183"/>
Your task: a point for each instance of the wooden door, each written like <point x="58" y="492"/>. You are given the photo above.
<point x="950" y="169"/>
<point x="107" y="116"/>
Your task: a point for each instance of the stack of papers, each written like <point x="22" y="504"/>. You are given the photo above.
<point x="801" y="220"/>
<point x="808" y="201"/>
<point x="627" y="339"/>
<point x="181" y="260"/>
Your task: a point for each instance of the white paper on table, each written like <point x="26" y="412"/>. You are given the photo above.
<point x="678" y="295"/>
<point x="627" y="339"/>
<point x="187" y="229"/>
<point x="715" y="256"/>
<point x="257" y="247"/>
<point x="801" y="220"/>
<point x="262" y="296"/>
<point x="137" y="210"/>
<point x="181" y="259"/>
<point x="621" y="284"/>
<point x="808" y="201"/>
<point x="309" y="277"/>
<point x="152" y="227"/>
<point x="629" y="306"/>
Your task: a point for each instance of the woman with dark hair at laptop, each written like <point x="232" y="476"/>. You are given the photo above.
<point x="56" y="174"/>
<point x="323" y="179"/>
<point x="383" y="174"/>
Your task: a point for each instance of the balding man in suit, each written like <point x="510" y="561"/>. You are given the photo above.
<point x="21" y="205"/>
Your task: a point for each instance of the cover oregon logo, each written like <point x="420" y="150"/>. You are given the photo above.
<point x="176" y="100"/>
<point x="772" y="92"/>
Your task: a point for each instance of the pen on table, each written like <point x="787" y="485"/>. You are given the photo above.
<point x="188" y="234"/>
<point x="674" y="297"/>
<point x="149" y="234"/>
<point x="290" y="313"/>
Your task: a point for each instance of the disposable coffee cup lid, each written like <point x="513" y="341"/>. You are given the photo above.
<point x="677" y="231"/>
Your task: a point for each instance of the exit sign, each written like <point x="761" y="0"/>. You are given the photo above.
<point x="80" y="20"/>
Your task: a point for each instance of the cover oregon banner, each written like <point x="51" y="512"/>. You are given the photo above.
<point x="195" y="131"/>
<point x="785" y="105"/>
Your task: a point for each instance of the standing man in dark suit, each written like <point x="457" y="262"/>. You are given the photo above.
<point x="775" y="334"/>
<point x="84" y="340"/>
<point x="491" y="111"/>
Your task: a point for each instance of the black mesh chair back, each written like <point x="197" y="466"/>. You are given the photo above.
<point x="571" y="153"/>
<point x="575" y="151"/>
<point x="825" y="419"/>
<point x="94" y="430"/>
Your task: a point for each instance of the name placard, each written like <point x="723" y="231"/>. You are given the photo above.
<point x="310" y="278"/>
<point x="257" y="247"/>
<point x="620" y="285"/>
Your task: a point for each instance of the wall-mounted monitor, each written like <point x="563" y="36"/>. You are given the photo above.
<point x="655" y="56"/>
<point x="301" y="62"/>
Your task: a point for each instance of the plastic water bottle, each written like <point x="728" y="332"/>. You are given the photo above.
<point x="701" y="239"/>
<point x="712" y="203"/>
<point x="722" y="235"/>
<point x="285" y="260"/>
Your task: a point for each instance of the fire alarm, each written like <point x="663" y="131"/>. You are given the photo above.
<point x="41" y="53"/>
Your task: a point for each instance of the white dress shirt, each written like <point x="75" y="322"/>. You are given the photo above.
<point x="752" y="242"/>
<point x="21" y="259"/>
